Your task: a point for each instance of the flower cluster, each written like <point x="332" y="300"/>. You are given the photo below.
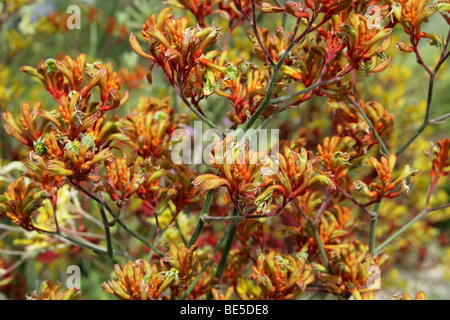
<point x="439" y="154"/>
<point x="386" y="188"/>
<point x="347" y="121"/>
<point x="279" y="277"/>
<point x="140" y="280"/>
<point x="351" y="265"/>
<point x="21" y="201"/>
<point x="52" y="291"/>
<point x="314" y="211"/>
<point x="411" y="14"/>
<point x="174" y="46"/>
<point x="255" y="179"/>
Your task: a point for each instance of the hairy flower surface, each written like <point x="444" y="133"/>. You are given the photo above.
<point x="21" y="201"/>
<point x="139" y="281"/>
<point x="386" y="188"/>
<point x="279" y="277"/>
<point x="52" y="291"/>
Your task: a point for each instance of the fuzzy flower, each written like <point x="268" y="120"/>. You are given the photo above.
<point x="139" y="281"/>
<point x="386" y="188"/>
<point x="21" y="201"/>
<point x="280" y="277"/>
<point x="173" y="45"/>
<point x="52" y="291"/>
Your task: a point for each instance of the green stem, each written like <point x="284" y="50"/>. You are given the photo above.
<point x="107" y="228"/>
<point x="440" y="119"/>
<point x="373" y="227"/>
<point x="201" y="223"/>
<point x="426" y="120"/>
<point x="107" y="233"/>
<point x="273" y="81"/>
<point x="306" y="90"/>
<point x="432" y="74"/>
<point x="174" y="217"/>
<point x="120" y="222"/>
<point x="198" y="113"/>
<point x="138" y="237"/>
<point x="399" y="232"/>
<point x="357" y="104"/>
<point x="226" y="249"/>
<point x="207" y="264"/>
<point x="181" y="233"/>
<point x="383" y="147"/>
<point x="323" y="253"/>
<point x="82" y="244"/>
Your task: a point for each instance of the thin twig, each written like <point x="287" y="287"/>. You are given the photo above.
<point x="254" y="24"/>
<point x="399" y="232"/>
<point x="373" y="228"/>
<point x="432" y="74"/>
<point x="359" y="204"/>
<point x="316" y="233"/>
<point x="357" y="104"/>
<point x="207" y="263"/>
<point x="200" y="223"/>
<point x="198" y="113"/>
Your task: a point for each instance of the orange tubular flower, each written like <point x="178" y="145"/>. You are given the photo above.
<point x="30" y="133"/>
<point x="280" y="277"/>
<point x="348" y="121"/>
<point x="74" y="139"/>
<point x="149" y="127"/>
<point x="186" y="263"/>
<point x="443" y="7"/>
<point x="328" y="7"/>
<point x="386" y="188"/>
<point x="66" y="77"/>
<point x="52" y="291"/>
<point x="253" y="178"/>
<point x="334" y="225"/>
<point x="21" y="201"/>
<point x="173" y="46"/>
<point x="170" y="183"/>
<point x="109" y="86"/>
<point x="200" y="8"/>
<point x="139" y="281"/>
<point x="122" y="180"/>
<point x="360" y="44"/>
<point x="222" y="296"/>
<point x="368" y="296"/>
<point x="274" y="44"/>
<point x="297" y="173"/>
<point x="241" y="171"/>
<point x="439" y="154"/>
<point x="228" y="9"/>
<point x="293" y="8"/>
<point x="351" y="270"/>
<point x="420" y="295"/>
<point x="246" y="93"/>
<point x="336" y="154"/>
<point x="411" y="14"/>
<point x="183" y="259"/>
